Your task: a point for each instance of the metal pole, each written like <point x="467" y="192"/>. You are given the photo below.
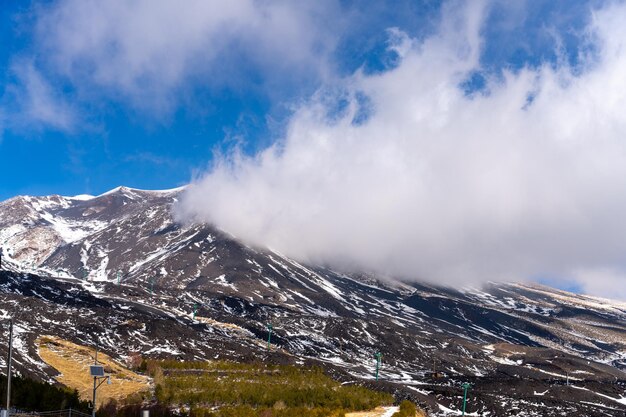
<point x="93" y="409"/>
<point x="465" y="387"/>
<point x="95" y="379"/>
<point x="378" y="355"/>
<point x="195" y="310"/>
<point x="9" y="366"/>
<point x="269" y="335"/>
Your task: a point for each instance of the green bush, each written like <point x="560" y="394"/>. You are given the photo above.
<point x="407" y="409"/>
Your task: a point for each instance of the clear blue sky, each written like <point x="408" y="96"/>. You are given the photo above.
<point x="95" y="95"/>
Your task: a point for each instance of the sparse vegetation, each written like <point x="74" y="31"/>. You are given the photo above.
<point x="228" y="389"/>
<point x="72" y="361"/>
<point x="407" y="409"/>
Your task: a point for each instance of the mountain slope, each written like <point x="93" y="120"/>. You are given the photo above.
<point x="510" y="340"/>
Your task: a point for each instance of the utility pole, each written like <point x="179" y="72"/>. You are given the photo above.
<point x="465" y="387"/>
<point x="378" y="355"/>
<point x="9" y="367"/>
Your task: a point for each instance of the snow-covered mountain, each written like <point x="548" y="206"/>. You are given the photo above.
<point x="518" y="344"/>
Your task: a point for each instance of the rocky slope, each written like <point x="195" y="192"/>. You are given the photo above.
<point x="118" y="270"/>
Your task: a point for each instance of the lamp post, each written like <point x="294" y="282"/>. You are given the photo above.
<point x="465" y="387"/>
<point x="377" y="355"/>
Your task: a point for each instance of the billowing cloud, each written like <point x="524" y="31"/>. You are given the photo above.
<point x="416" y="178"/>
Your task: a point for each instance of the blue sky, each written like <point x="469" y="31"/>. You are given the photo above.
<point x="81" y="134"/>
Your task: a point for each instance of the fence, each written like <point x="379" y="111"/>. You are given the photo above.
<point x="58" y="413"/>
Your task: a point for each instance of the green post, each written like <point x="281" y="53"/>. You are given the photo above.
<point x="195" y="310"/>
<point x="84" y="274"/>
<point x="269" y="335"/>
<point x="378" y="355"/>
<point x="118" y="277"/>
<point x="465" y="388"/>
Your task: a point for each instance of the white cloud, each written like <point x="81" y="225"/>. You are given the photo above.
<point x="608" y="282"/>
<point x="35" y="102"/>
<point x="147" y="51"/>
<point x="439" y="186"/>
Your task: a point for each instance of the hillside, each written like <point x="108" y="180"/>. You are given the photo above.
<point x="194" y="292"/>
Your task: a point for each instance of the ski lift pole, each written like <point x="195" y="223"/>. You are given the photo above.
<point x="465" y="387"/>
<point x="378" y="355"/>
<point x="269" y="335"/>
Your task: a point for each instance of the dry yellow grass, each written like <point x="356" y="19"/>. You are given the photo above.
<point x="378" y="412"/>
<point x="72" y="361"/>
<point x="216" y="323"/>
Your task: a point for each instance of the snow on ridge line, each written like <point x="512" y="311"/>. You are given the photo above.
<point x="124" y="188"/>
<point x="87" y="197"/>
<point x="81" y="197"/>
<point x="574" y="298"/>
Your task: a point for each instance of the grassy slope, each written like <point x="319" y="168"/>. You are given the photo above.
<point x="72" y="361"/>
<point x="221" y="389"/>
